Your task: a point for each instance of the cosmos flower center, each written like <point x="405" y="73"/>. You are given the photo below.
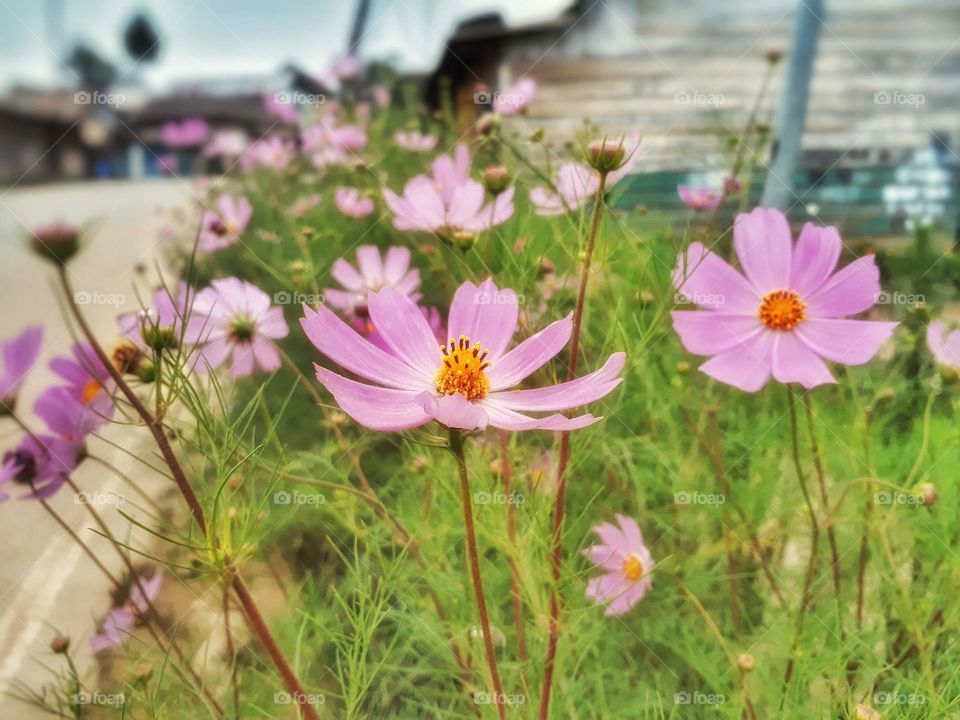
<point x="782" y="310"/>
<point x="91" y="388"/>
<point x="242" y="329"/>
<point x="633" y="568"/>
<point x="463" y="369"/>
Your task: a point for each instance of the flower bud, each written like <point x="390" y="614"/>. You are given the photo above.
<point x="773" y="56"/>
<point x="463" y="239"/>
<point x="745" y="662"/>
<point x="865" y="712"/>
<point x="57" y="242"/>
<point x="158" y="337"/>
<point x="606" y="155"/>
<point x="486" y="124"/>
<point x="418" y="464"/>
<point x="927" y="492"/>
<point x="497" y="466"/>
<point x="547" y="267"/>
<point x="147" y="371"/>
<point x="496" y="179"/>
<point x="60" y="645"/>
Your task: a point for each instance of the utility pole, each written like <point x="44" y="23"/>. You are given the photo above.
<point x="792" y="114"/>
<point x="359" y="23"/>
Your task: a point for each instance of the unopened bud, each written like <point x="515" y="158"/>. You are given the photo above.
<point x="606" y="155"/>
<point x="463" y="239"/>
<point x="158" y="337"/>
<point x="745" y="662"/>
<point x="865" y="712"/>
<point x="773" y="56"/>
<point x="57" y="242"/>
<point x="497" y="467"/>
<point x="60" y="645"/>
<point x="146" y="371"/>
<point x="496" y="179"/>
<point x="547" y="267"/>
<point x="418" y="463"/>
<point x="927" y="492"/>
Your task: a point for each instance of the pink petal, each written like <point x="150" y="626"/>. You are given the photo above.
<point x="242" y="360"/>
<point x="266" y="355"/>
<point x="606" y="557"/>
<point x="396" y="264"/>
<point x="453" y="411"/>
<point x="746" y="366"/>
<point x="377" y="408"/>
<point x="341" y="343"/>
<point x="763" y="243"/>
<point x="405" y="330"/>
<point x="814" y="258"/>
<point x="852" y="290"/>
<point x="613" y="536"/>
<point x="371" y="266"/>
<point x="628" y="598"/>
<point x="566" y="395"/>
<point x="793" y="361"/>
<point x="605" y="588"/>
<point x="631" y="531"/>
<point x="530" y="355"/>
<point x="710" y="332"/>
<point x="347" y="275"/>
<point x="503" y="417"/>
<point x="851" y="342"/>
<point x="703" y="278"/>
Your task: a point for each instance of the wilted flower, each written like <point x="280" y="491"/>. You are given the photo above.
<point x="788" y="313"/>
<point x="119" y="622"/>
<point x="465" y="383"/>
<point x="626" y="563"/>
<point x="224" y="227"/>
<point x="414" y="141"/>
<point x="235" y="318"/>
<point x="351" y="203"/>
<point x="18" y="356"/>
<point x="700" y="198"/>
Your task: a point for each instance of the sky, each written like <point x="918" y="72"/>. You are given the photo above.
<point x="214" y="38"/>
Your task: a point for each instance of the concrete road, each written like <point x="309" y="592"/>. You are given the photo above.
<point x="45" y="580"/>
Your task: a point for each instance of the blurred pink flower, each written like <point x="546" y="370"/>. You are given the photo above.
<point x="392" y="271"/>
<point x="788" y="313"/>
<point x="626" y="563"/>
<point x="330" y="144"/>
<point x="41" y="463"/>
<point x="576" y="183"/>
<point x="168" y="163"/>
<point x="223" y="228"/>
<point x="227" y="144"/>
<point x="347" y="67"/>
<point x="700" y="198"/>
<point x="270" y="152"/>
<point x="18" y="355"/>
<point x="512" y="100"/>
<point x="303" y="205"/>
<point x="449" y="201"/>
<point x="468" y="383"/>
<point x="945" y="347"/>
<point x="414" y="141"/>
<point x="191" y="132"/>
<point x="279" y="105"/>
<point x="235" y="318"/>
<point x="380" y="95"/>
<point x="351" y="203"/>
<point x="119" y="622"/>
<point x="89" y="384"/>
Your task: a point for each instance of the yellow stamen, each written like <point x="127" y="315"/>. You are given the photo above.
<point x="463" y="369"/>
<point x="91" y="389"/>
<point x="782" y="310"/>
<point x="633" y="568"/>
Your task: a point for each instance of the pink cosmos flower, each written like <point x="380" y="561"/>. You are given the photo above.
<point x="18" y="355"/>
<point x="788" y="314"/>
<point x="118" y="623"/>
<point x="189" y="133"/>
<point x="271" y="152"/>
<point x="235" y="318"/>
<point x="330" y="144"/>
<point x="223" y="228"/>
<point x="352" y="204"/>
<point x="381" y="95"/>
<point x="89" y="384"/>
<point x="375" y="273"/>
<point x="414" y="141"/>
<point x="448" y="202"/>
<point x="278" y="105"/>
<point x="303" y="205"/>
<point x="944" y="347"/>
<point x="700" y="198"/>
<point x="515" y="98"/>
<point x="576" y="183"/>
<point x="467" y="383"/>
<point x="226" y="144"/>
<point x="626" y="563"/>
